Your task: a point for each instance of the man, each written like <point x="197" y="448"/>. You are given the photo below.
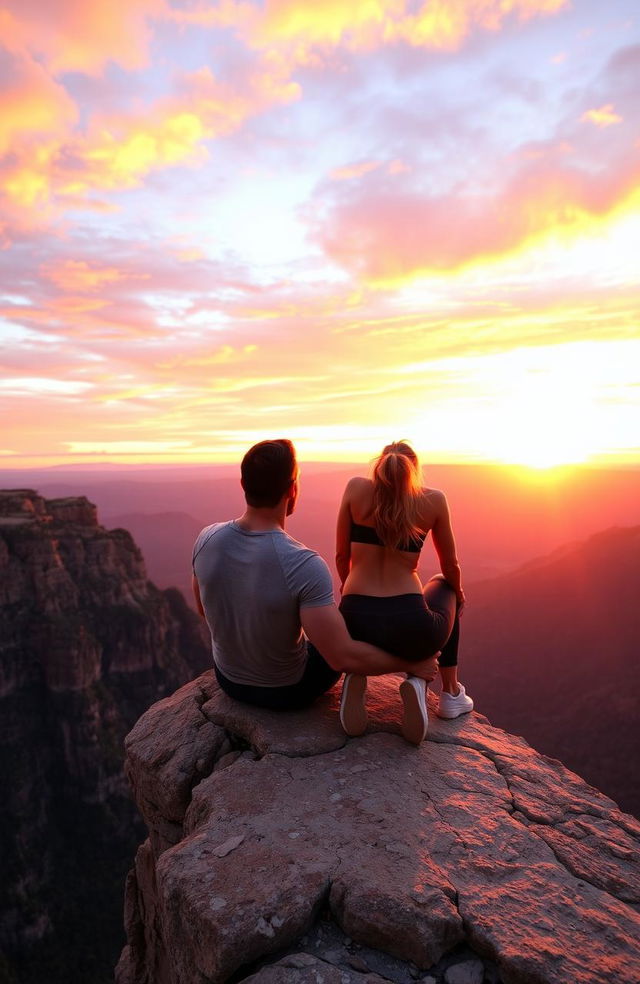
<point x="278" y="638"/>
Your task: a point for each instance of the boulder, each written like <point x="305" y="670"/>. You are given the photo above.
<point x="470" y="858"/>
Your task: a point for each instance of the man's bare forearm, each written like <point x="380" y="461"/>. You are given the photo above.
<point x="368" y="660"/>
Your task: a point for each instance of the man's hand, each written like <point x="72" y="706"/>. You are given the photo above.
<point x="426" y="669"/>
<point x="325" y="628"/>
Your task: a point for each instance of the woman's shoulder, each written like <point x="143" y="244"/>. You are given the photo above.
<point x="434" y="495"/>
<point x="358" y="495"/>
<point x="433" y="500"/>
<point x="359" y="484"/>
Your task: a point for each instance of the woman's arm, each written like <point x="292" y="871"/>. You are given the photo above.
<point x="445" y="544"/>
<point x="343" y="536"/>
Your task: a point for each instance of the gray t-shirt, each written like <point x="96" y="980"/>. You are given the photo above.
<point x="253" y="586"/>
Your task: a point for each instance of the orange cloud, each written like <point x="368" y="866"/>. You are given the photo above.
<point x="353" y="170"/>
<point x="224" y="107"/>
<point x="69" y="305"/>
<point x="41" y="179"/>
<point x="223" y="354"/>
<point x="52" y="167"/>
<point x="35" y="112"/>
<point x="360" y="24"/>
<point x="78" y="275"/>
<point x="398" y="167"/>
<point x="350" y="171"/>
<point x="80" y="37"/>
<point x="120" y="153"/>
<point x="189" y="255"/>
<point x="604" y="116"/>
<point x="441" y="24"/>
<point x="122" y="159"/>
<point x="32" y="103"/>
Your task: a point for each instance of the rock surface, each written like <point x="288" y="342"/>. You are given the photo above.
<point x="469" y="860"/>
<point x="87" y="643"/>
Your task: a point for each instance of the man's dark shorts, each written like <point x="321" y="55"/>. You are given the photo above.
<point x="317" y="678"/>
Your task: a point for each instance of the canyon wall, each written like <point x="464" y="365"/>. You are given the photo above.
<point x="87" y="643"/>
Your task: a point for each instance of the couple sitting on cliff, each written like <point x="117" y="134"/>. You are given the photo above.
<point x="279" y="641"/>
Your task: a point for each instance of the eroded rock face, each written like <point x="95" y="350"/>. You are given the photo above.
<point x="87" y="643"/>
<point x="263" y="827"/>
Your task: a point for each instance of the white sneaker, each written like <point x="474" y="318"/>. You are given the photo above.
<point x="415" y="719"/>
<point x="453" y="707"/>
<point x="353" y="711"/>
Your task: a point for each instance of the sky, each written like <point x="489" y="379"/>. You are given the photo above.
<point x="343" y="223"/>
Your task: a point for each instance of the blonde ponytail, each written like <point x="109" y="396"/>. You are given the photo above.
<point x="397" y="485"/>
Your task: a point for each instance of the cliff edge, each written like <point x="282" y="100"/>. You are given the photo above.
<point x="87" y="643"/>
<point x="281" y="851"/>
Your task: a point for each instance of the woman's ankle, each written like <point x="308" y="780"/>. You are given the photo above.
<point x="449" y="678"/>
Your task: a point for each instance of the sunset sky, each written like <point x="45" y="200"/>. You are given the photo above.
<point x="342" y="222"/>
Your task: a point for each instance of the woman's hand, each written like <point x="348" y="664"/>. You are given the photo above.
<point x="461" y="601"/>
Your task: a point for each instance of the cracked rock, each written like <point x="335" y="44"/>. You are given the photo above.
<point x="471" y="844"/>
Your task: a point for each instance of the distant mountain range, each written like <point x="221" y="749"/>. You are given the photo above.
<point x="165" y="540"/>
<point x="551" y="652"/>
<point x="502" y="518"/>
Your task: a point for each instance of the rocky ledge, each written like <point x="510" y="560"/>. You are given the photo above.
<point x="281" y="851"/>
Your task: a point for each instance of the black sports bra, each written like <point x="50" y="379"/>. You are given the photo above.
<point x="367" y="534"/>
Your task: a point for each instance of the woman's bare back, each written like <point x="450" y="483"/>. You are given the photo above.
<point x="378" y="570"/>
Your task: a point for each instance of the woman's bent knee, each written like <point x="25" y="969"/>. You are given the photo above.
<point x="440" y="596"/>
<point x="437" y="581"/>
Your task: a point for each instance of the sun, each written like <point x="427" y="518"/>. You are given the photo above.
<point x="544" y="430"/>
<point x="548" y="420"/>
<point x="544" y="408"/>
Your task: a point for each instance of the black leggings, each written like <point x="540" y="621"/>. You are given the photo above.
<point x="318" y="677"/>
<point x="409" y="626"/>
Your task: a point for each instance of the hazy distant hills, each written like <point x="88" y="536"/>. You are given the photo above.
<point x="502" y="517"/>
<point x="165" y="540"/>
<point x="551" y="652"/>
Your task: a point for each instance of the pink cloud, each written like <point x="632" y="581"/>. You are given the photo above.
<point x="78" y="275"/>
<point x="398" y="167"/>
<point x="383" y="234"/>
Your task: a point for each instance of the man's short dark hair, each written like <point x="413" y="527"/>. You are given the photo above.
<point x="267" y="470"/>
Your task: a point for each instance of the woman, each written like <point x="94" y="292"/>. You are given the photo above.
<point x="382" y="525"/>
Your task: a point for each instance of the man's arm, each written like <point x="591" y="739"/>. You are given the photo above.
<point x="196" y="594"/>
<point x="324" y="626"/>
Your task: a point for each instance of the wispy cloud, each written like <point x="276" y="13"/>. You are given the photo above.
<point x="604" y="116"/>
